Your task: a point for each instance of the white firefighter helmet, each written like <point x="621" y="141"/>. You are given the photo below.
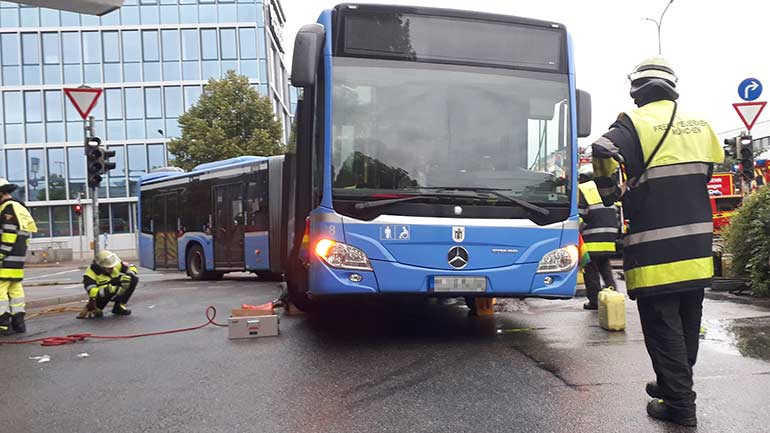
<point x="654" y="67"/>
<point x="107" y="259"/>
<point x="6" y="186"/>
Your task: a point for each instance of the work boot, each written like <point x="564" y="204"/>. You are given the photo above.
<point x="5" y="325"/>
<point x="17" y="323"/>
<point x="120" y="309"/>
<point x="590" y="306"/>
<point x="657" y="409"/>
<point x="652" y="389"/>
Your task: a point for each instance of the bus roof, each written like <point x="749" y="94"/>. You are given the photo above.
<point x="448" y="12"/>
<point x="209" y="167"/>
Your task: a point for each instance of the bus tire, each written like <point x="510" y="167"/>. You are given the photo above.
<point x="297" y="290"/>
<point x="196" y="263"/>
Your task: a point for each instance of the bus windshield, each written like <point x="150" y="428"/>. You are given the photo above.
<point x="409" y="126"/>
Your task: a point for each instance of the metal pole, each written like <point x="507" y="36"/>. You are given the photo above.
<point x="658" y="24"/>
<point x="80" y="226"/>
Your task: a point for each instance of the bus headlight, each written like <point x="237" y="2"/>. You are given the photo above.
<point x="561" y="260"/>
<point x="343" y="256"/>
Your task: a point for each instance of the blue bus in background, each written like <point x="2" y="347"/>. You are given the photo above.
<point x="220" y="217"/>
<point x="436" y="154"/>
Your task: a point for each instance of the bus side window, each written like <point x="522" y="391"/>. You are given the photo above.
<point x="147" y="212"/>
<point x="256" y="204"/>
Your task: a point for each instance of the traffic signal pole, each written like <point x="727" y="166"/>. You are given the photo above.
<point x="89" y="135"/>
<point x="80" y="225"/>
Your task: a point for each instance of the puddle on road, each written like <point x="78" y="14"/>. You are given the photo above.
<point x="745" y="337"/>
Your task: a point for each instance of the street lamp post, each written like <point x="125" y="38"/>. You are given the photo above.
<point x="658" y="23"/>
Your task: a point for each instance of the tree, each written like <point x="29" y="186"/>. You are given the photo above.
<point x="230" y="119"/>
<point x="747" y="240"/>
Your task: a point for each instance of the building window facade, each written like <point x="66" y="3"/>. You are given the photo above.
<point x="152" y="58"/>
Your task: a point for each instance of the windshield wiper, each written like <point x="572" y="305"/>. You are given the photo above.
<point x="390" y="201"/>
<point x="495" y="191"/>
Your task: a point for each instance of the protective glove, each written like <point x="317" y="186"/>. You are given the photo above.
<point x="125" y="281"/>
<point x="90" y="311"/>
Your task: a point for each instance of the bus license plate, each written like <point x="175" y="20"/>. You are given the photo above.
<point x="459" y="284"/>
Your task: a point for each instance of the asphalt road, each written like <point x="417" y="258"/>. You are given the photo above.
<point x="413" y="366"/>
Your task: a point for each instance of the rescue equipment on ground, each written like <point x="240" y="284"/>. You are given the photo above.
<point x="252" y="321"/>
<point x="612" y="310"/>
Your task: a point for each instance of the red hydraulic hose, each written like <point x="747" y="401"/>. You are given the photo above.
<point x="211" y="314"/>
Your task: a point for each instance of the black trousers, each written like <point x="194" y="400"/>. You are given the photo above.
<point x="117" y="297"/>
<point x="599" y="266"/>
<point x="671" y="326"/>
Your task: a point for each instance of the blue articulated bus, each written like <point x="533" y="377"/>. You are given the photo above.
<point x="436" y="155"/>
<point x="219" y="217"/>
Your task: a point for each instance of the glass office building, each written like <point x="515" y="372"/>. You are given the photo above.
<point x="152" y="58"/>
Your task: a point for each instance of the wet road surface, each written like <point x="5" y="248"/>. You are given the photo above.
<point x="414" y="366"/>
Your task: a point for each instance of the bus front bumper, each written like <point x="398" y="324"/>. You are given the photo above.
<point x="519" y="280"/>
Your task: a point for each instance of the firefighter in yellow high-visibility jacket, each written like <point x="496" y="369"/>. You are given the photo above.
<point x="16" y="226"/>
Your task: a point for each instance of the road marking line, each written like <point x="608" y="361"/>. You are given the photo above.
<point x="49" y="275"/>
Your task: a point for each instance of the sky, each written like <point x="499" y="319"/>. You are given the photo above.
<point x="712" y="45"/>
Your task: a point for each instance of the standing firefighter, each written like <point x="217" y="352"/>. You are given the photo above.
<point x="599" y="228"/>
<point x="17" y="225"/>
<point x="668" y="156"/>
<point x="108" y="279"/>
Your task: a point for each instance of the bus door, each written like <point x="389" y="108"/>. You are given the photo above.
<point x="229" y="222"/>
<point x="166" y="225"/>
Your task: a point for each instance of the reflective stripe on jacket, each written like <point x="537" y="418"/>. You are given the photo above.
<point x="16" y="225"/>
<point x="600" y="225"/>
<point x="668" y="247"/>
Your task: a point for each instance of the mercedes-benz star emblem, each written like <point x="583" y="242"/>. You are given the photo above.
<point x="457" y="257"/>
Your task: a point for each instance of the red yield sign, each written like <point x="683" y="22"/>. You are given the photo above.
<point x="749" y="112"/>
<point x="83" y="98"/>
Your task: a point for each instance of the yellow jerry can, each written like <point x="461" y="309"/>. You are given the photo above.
<point x="612" y="310"/>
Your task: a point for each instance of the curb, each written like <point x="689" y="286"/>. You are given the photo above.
<point x="56" y="300"/>
<point x="49" y="283"/>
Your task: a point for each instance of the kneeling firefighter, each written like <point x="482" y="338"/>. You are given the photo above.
<point x="108" y="279"/>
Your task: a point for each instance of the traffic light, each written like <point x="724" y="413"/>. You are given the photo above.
<point x="747" y="156"/>
<point x="731" y="148"/>
<point x="95" y="161"/>
<point x="108" y="165"/>
<point x="77" y="209"/>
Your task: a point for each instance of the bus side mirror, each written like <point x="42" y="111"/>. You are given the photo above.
<point x="583" y="113"/>
<point x="307" y="53"/>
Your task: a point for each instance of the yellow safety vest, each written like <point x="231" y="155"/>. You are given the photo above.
<point x="672" y="249"/>
<point x="600" y="224"/>
<point x="26" y="222"/>
<point x="690" y="138"/>
<point x="16" y="225"/>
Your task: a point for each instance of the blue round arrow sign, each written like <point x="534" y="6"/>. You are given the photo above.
<point x="749" y="89"/>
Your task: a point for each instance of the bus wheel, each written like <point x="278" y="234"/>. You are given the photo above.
<point x="196" y="263"/>
<point x="297" y="290"/>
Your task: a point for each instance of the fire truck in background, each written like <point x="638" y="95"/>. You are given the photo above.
<point x="724" y="200"/>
